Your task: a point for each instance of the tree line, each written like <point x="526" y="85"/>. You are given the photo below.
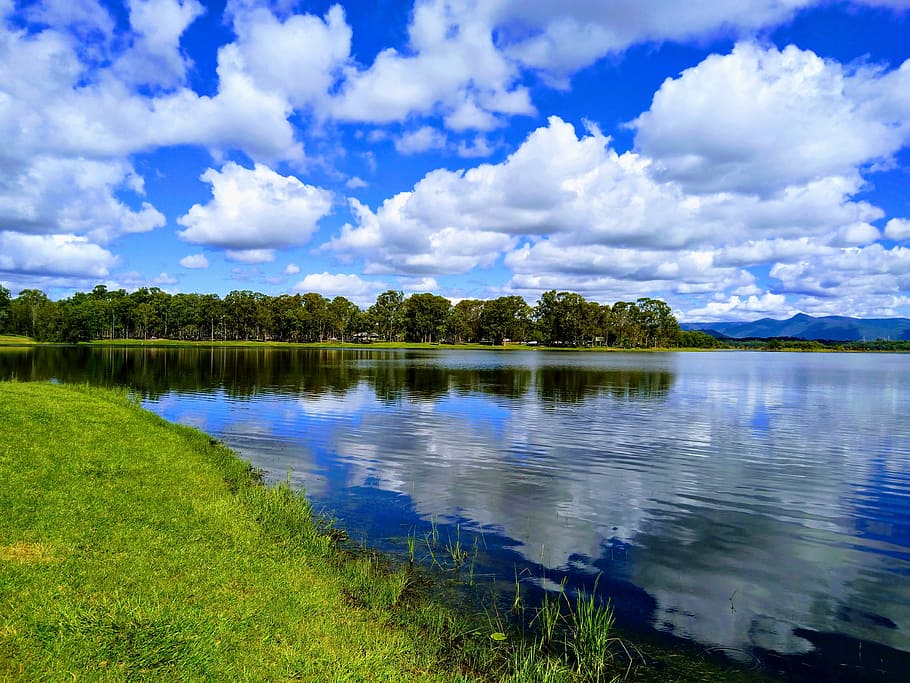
<point x="558" y="318"/>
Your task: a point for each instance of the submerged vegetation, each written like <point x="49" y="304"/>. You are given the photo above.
<point x="134" y="549"/>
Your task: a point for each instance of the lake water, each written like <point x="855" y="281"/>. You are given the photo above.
<point x="757" y="503"/>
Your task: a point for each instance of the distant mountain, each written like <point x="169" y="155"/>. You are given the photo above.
<point x="830" y="327"/>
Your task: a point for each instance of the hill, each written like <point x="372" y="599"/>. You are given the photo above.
<point x="831" y="328"/>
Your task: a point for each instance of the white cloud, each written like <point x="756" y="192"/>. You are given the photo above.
<point x="356" y="183"/>
<point x="291" y="269"/>
<point x="54" y="110"/>
<point x="423" y="139"/>
<point x="451" y="65"/>
<point x="86" y="19"/>
<point x="423" y="284"/>
<point x="569" y="211"/>
<point x="394" y="241"/>
<point x="255" y="211"/>
<point x="759" y="120"/>
<point x="194" y="261"/>
<point x="339" y="284"/>
<point x="301" y="57"/>
<point x="478" y="147"/>
<point x="250" y="255"/>
<point x="559" y="38"/>
<point x="897" y="229"/>
<point x="63" y="255"/>
<point x="734" y="308"/>
<point x="53" y="195"/>
<point x="165" y="279"/>
<point x="155" y="57"/>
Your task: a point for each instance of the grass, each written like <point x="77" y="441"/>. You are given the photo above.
<point x="135" y="549"/>
<point x="373" y="345"/>
<point x="132" y="549"/>
<point x="15" y="340"/>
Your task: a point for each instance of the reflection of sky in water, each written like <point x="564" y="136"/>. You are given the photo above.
<point x="735" y="497"/>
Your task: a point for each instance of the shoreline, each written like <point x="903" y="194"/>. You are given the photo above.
<point x="176" y="542"/>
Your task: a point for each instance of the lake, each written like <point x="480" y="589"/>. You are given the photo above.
<point x="753" y="503"/>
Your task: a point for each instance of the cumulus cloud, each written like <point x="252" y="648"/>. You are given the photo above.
<point x="761" y="119"/>
<point x="291" y="269"/>
<point x="255" y="211"/>
<point x="54" y="110"/>
<point x="568" y="211"/>
<point x="735" y="308"/>
<point x="155" y="57"/>
<point x="64" y="255"/>
<point x="194" y="261"/>
<point x="423" y="284"/>
<point x="47" y="195"/>
<point x="300" y="57"/>
<point x="451" y="65"/>
<point x="330" y="285"/>
<point x="423" y="139"/>
<point x="560" y="38"/>
<point x="897" y="229"/>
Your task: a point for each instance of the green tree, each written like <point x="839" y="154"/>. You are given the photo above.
<point x="560" y="318"/>
<point x="33" y="314"/>
<point x="342" y="316"/>
<point x="508" y="317"/>
<point x="386" y="314"/>
<point x="240" y="314"/>
<point x="425" y="317"/>
<point x="657" y="323"/>
<point x="315" y="318"/>
<point x="4" y="308"/>
<point x="696" y="339"/>
<point x="463" y="324"/>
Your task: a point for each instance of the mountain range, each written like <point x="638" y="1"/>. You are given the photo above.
<point x="830" y="327"/>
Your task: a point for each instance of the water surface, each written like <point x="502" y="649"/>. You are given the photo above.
<point x="757" y="502"/>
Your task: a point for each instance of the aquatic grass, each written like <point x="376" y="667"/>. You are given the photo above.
<point x="592" y="640"/>
<point x="456" y="552"/>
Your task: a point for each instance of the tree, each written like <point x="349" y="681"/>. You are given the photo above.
<point x="33" y="314"/>
<point x="508" y="317"/>
<point x="84" y="317"/>
<point x="386" y="314"/>
<point x="425" y="317"/>
<point x="211" y="311"/>
<point x="4" y="308"/>
<point x="464" y="321"/>
<point x="657" y="323"/>
<point x="342" y="315"/>
<point x="240" y="309"/>
<point x="287" y="317"/>
<point x="561" y="317"/>
<point x="315" y="316"/>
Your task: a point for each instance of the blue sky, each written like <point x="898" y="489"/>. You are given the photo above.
<point x="738" y="159"/>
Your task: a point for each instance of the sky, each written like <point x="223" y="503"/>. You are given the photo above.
<point x="738" y="159"/>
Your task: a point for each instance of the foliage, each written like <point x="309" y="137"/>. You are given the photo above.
<point x="564" y="319"/>
<point x="4" y="308"/>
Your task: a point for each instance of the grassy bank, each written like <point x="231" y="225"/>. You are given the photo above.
<point x="373" y="345"/>
<point x="134" y="549"/>
<point x="16" y="340"/>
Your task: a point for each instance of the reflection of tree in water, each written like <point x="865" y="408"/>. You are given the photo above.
<point x="244" y="372"/>
<point x="577" y="384"/>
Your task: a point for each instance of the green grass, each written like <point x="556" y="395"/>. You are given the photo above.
<point x="373" y="345"/>
<point x="132" y="549"/>
<point x="15" y="340"/>
<point x="135" y="549"/>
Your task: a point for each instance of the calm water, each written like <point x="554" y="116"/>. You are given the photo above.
<point x="749" y="501"/>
